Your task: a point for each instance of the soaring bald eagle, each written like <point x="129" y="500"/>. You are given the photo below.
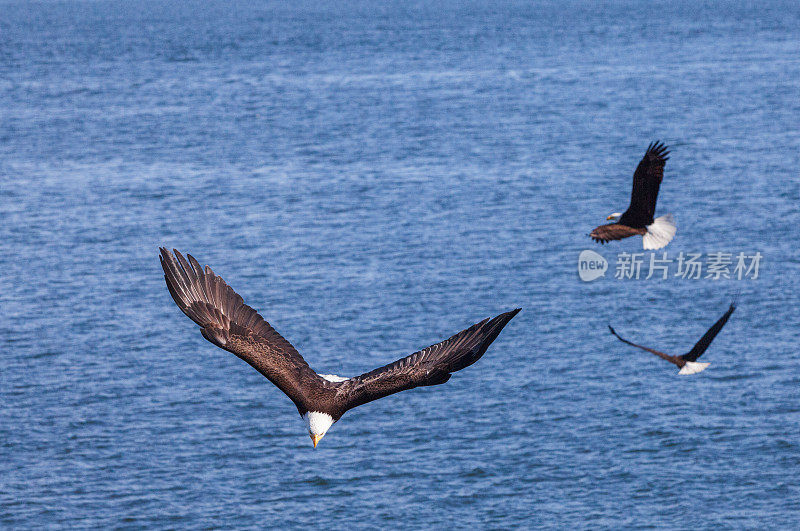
<point x="321" y="399"/>
<point x="638" y="219"/>
<point x="688" y="363"/>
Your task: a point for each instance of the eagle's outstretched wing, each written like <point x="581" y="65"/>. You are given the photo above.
<point x="646" y="182"/>
<point x="229" y="323"/>
<point x="709" y="336"/>
<point x="671" y="359"/>
<point x="430" y="366"/>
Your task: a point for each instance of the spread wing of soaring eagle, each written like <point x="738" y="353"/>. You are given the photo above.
<point x="638" y="219"/>
<point x="321" y="399"/>
<point x="687" y="363"/>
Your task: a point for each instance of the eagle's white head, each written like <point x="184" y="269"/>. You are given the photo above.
<point x="317" y="424"/>
<point x="614" y="217"/>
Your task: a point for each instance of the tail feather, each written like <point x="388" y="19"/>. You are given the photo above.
<point x="659" y="233"/>
<point x="693" y="367"/>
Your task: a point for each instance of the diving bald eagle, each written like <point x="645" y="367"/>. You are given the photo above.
<point x="638" y="219"/>
<point x="321" y="399"/>
<point x="688" y="363"/>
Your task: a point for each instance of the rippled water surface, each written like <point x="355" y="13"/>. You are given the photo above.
<point x="373" y="179"/>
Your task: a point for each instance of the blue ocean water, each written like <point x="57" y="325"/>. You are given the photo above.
<point x="374" y="178"/>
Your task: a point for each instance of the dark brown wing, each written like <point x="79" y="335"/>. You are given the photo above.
<point x="430" y="366"/>
<point x="671" y="359"/>
<point x="614" y="231"/>
<point x="229" y="323"/>
<point x="646" y="182"/>
<point x="709" y="336"/>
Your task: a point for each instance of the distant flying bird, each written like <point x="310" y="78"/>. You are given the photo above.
<point x="638" y="219"/>
<point x="321" y="399"/>
<point x="688" y="362"/>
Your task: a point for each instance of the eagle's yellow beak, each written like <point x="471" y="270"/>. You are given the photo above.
<point x="612" y="216"/>
<point x="315" y="439"/>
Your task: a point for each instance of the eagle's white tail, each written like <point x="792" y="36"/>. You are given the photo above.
<point x="659" y="233"/>
<point x="693" y="367"/>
